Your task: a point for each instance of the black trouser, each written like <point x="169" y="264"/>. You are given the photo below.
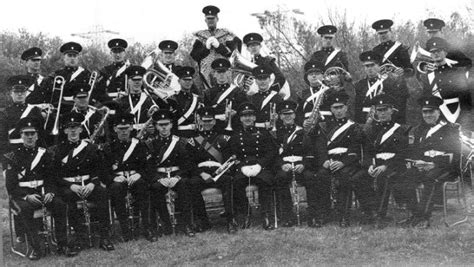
<point x="283" y="192"/>
<point x="386" y="183"/>
<point x="264" y="180"/>
<point x="139" y="191"/>
<point x="432" y="188"/>
<point x="318" y="188"/>
<point x="197" y="185"/>
<point x="98" y="197"/>
<point x="25" y="218"/>
<point x="158" y="201"/>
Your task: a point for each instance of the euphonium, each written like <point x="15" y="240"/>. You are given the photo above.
<point x="242" y="68"/>
<point x="162" y="82"/>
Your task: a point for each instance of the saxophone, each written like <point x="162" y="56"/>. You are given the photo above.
<point x="313" y="118"/>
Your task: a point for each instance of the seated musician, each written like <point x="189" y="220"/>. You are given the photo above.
<point x="77" y="167"/>
<point x="30" y="186"/>
<point x="127" y="172"/>
<point x="206" y="148"/>
<point x="169" y="165"/>
<point x="434" y="160"/>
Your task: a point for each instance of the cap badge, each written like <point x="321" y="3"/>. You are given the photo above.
<point x="29" y="123"/>
<point x="427" y="102"/>
<point x="19" y="82"/>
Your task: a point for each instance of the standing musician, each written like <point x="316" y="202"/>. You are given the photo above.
<point x="374" y="84"/>
<point x="112" y="79"/>
<point x="138" y="102"/>
<point x="223" y="93"/>
<point x="434" y="160"/>
<point x="448" y="82"/>
<point x="30" y="185"/>
<point x="92" y="116"/>
<point x="253" y="41"/>
<point x="265" y="100"/>
<point x="10" y="137"/>
<point x="329" y="55"/>
<point x="291" y="160"/>
<point x="168" y="51"/>
<point x="255" y="149"/>
<point x="344" y="140"/>
<point x="77" y="168"/>
<point x="72" y="73"/>
<point x="187" y="102"/>
<point x="206" y="149"/>
<point x="212" y="43"/>
<point x="127" y="174"/>
<point x="386" y="153"/>
<point x="32" y="57"/>
<point x="434" y="28"/>
<point x="169" y="166"/>
<point x="394" y="52"/>
<point x="314" y="77"/>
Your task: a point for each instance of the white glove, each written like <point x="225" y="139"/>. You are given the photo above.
<point x="257" y="169"/>
<point x="174" y="180"/>
<point x="209" y="42"/>
<point x="215" y="43"/>
<point x="133" y="178"/>
<point x="164" y="181"/>
<point x="251" y="171"/>
<point x="119" y="179"/>
<point x="246" y="170"/>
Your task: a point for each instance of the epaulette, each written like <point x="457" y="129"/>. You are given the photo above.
<point x="191" y="141"/>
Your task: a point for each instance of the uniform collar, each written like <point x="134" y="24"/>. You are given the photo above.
<point x="135" y="96"/>
<point x="340" y="121"/>
<point x="223" y="86"/>
<point x="74" y="144"/>
<point x="118" y="64"/>
<point x="70" y="68"/>
<point x="19" y="105"/>
<point x="249" y="129"/>
<point x="264" y="93"/>
<point x="27" y="149"/>
<point x="328" y="49"/>
<point x="373" y="79"/>
<point x="384" y="124"/>
<point x="387" y="43"/>
<point x="207" y="133"/>
<point x="164" y="139"/>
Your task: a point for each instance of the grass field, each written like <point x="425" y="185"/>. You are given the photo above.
<point x="330" y="245"/>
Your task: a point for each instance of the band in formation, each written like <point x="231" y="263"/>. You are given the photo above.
<point x="149" y="140"/>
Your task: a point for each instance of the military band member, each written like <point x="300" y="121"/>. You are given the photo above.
<point x="314" y="77"/>
<point x="434" y="28"/>
<point x="374" y="84"/>
<point x="32" y="57"/>
<point x="386" y="152"/>
<point x="265" y="100"/>
<point x="448" y="82"/>
<point x="72" y="73"/>
<point x="30" y="186"/>
<point x="329" y="55"/>
<point x="434" y="160"/>
<point x="92" y="116"/>
<point x="291" y="160"/>
<point x="112" y="77"/>
<point x="187" y="102"/>
<point x="127" y="173"/>
<point x="212" y="43"/>
<point x="253" y="41"/>
<point x="138" y="102"/>
<point x="223" y="93"/>
<point x="77" y="168"/>
<point x="255" y="149"/>
<point x="169" y="167"/>
<point x="9" y="135"/>
<point x="344" y="140"/>
<point x="168" y="51"/>
<point x="206" y="149"/>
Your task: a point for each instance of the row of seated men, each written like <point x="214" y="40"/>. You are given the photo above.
<point x="76" y="169"/>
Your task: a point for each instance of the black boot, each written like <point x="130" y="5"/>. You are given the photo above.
<point x="106" y="244"/>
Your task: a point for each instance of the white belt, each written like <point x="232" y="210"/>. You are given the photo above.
<point x="31" y="184"/>
<point x="139" y="126"/>
<point x="451" y="100"/>
<point x="221" y="117"/>
<point x="434" y="153"/>
<point x="113" y="94"/>
<point x="16" y="141"/>
<point x="293" y="159"/>
<point x="124" y="173"/>
<point x="167" y="169"/>
<point x="77" y="179"/>
<point x="366" y="109"/>
<point x="262" y="124"/>
<point x="209" y="164"/>
<point x="307" y="115"/>
<point x="187" y="127"/>
<point x="384" y="156"/>
<point x="337" y="150"/>
<point x="68" y="98"/>
<point x="325" y="113"/>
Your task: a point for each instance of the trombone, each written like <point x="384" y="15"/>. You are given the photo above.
<point x="58" y="84"/>
<point x="228" y="111"/>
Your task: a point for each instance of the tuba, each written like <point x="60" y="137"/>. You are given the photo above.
<point x="242" y="68"/>
<point x="161" y="81"/>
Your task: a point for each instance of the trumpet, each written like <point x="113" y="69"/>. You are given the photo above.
<point x="228" y="107"/>
<point x="58" y="84"/>
<point x="225" y="167"/>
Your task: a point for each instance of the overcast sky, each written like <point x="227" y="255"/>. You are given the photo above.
<point x="155" y="20"/>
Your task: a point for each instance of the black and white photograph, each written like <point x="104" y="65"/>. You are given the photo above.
<point x="236" y="133"/>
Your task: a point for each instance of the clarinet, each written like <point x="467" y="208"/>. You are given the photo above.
<point x="129" y="207"/>
<point x="87" y="216"/>
<point x="170" y="198"/>
<point x="47" y="232"/>
<point x="296" y="197"/>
